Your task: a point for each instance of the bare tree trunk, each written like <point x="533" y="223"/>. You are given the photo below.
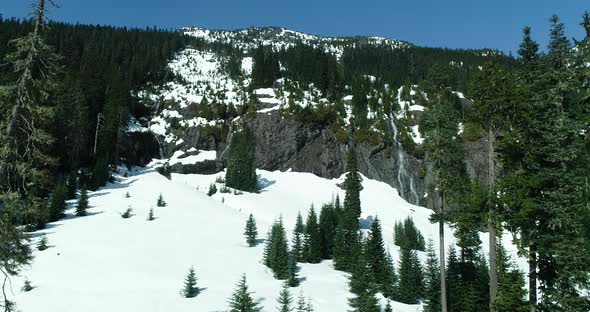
<point x="532" y="278"/>
<point x="491" y="221"/>
<point x="40" y="16"/>
<point x="443" y="267"/>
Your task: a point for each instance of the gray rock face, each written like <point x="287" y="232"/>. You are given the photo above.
<point x="283" y="144"/>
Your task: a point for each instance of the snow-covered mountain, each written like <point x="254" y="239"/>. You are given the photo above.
<point x="282" y="38"/>
<point x="103" y="262"/>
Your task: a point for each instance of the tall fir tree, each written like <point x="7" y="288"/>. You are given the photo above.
<point x="432" y="292"/>
<point x="410" y="277"/>
<point x="375" y="255"/>
<point x="241" y="170"/>
<point x="347" y="237"/>
<point x="312" y="243"/>
<point x="328" y="223"/>
<point x="276" y="253"/>
<point x="298" y="238"/>
<point x="362" y="285"/>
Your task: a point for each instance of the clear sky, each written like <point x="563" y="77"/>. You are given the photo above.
<point x="441" y="23"/>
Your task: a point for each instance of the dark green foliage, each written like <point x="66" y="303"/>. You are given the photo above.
<point x="15" y="252"/>
<point x="241" y="300"/>
<point x="276" y="251"/>
<point x="72" y="186"/>
<point x="346" y="239"/>
<point x="285" y="299"/>
<point x="312" y="244"/>
<point x="511" y="291"/>
<point x="432" y="281"/>
<point x="42" y="244"/>
<point x="161" y="202"/>
<point x="411" y="281"/>
<point x="128" y="213"/>
<point x="362" y="285"/>
<point x="265" y="69"/>
<point x="190" y="289"/>
<point x="212" y="189"/>
<point x="406" y="235"/>
<point x="151" y="215"/>
<point x="293" y="280"/>
<point x="376" y="257"/>
<point x="328" y="224"/>
<point x="241" y="171"/>
<point x="298" y="239"/>
<point x="390" y="280"/>
<point x="57" y="202"/>
<point x="251" y="232"/>
<point x="82" y="204"/>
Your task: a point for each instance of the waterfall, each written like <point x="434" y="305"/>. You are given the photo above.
<point x="405" y="180"/>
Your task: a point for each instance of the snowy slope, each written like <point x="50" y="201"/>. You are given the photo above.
<point x="103" y="262"/>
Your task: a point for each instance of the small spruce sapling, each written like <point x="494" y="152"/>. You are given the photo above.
<point x="127" y="195"/>
<point x="285" y="300"/>
<point x="190" y="289"/>
<point x="151" y="215"/>
<point x="212" y="189"/>
<point x="161" y="202"/>
<point x="128" y="213"/>
<point x="251" y="232"/>
<point x="82" y="205"/>
<point x="42" y="244"/>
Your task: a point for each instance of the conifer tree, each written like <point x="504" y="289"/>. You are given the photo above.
<point x="190" y="289"/>
<point x="57" y="202"/>
<point x="241" y="170"/>
<point x="276" y="253"/>
<point x="82" y="204"/>
<point x="160" y="202"/>
<point x="72" y="185"/>
<point x="42" y="244"/>
<point x="432" y="293"/>
<point x="241" y="300"/>
<point x="511" y="291"/>
<point x="376" y="256"/>
<point x="26" y="112"/>
<point x="151" y="215"/>
<point x="293" y="279"/>
<point x="298" y="238"/>
<point x="410" y="277"/>
<point x="16" y="252"/>
<point x="390" y="279"/>
<point x="285" y="300"/>
<point x="311" y="246"/>
<point x="301" y="304"/>
<point x="328" y="223"/>
<point x="362" y="285"/>
<point x="251" y="232"/>
<point x="346" y="239"/>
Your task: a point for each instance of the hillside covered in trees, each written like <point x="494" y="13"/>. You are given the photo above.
<point x="447" y="180"/>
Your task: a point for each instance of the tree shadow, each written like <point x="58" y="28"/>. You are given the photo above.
<point x="264" y="183"/>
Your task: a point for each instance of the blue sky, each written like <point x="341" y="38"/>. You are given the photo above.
<point x="441" y="23"/>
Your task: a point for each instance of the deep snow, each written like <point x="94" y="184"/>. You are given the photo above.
<point x="102" y="262"/>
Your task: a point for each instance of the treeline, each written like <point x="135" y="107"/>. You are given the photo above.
<point x="532" y="120"/>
